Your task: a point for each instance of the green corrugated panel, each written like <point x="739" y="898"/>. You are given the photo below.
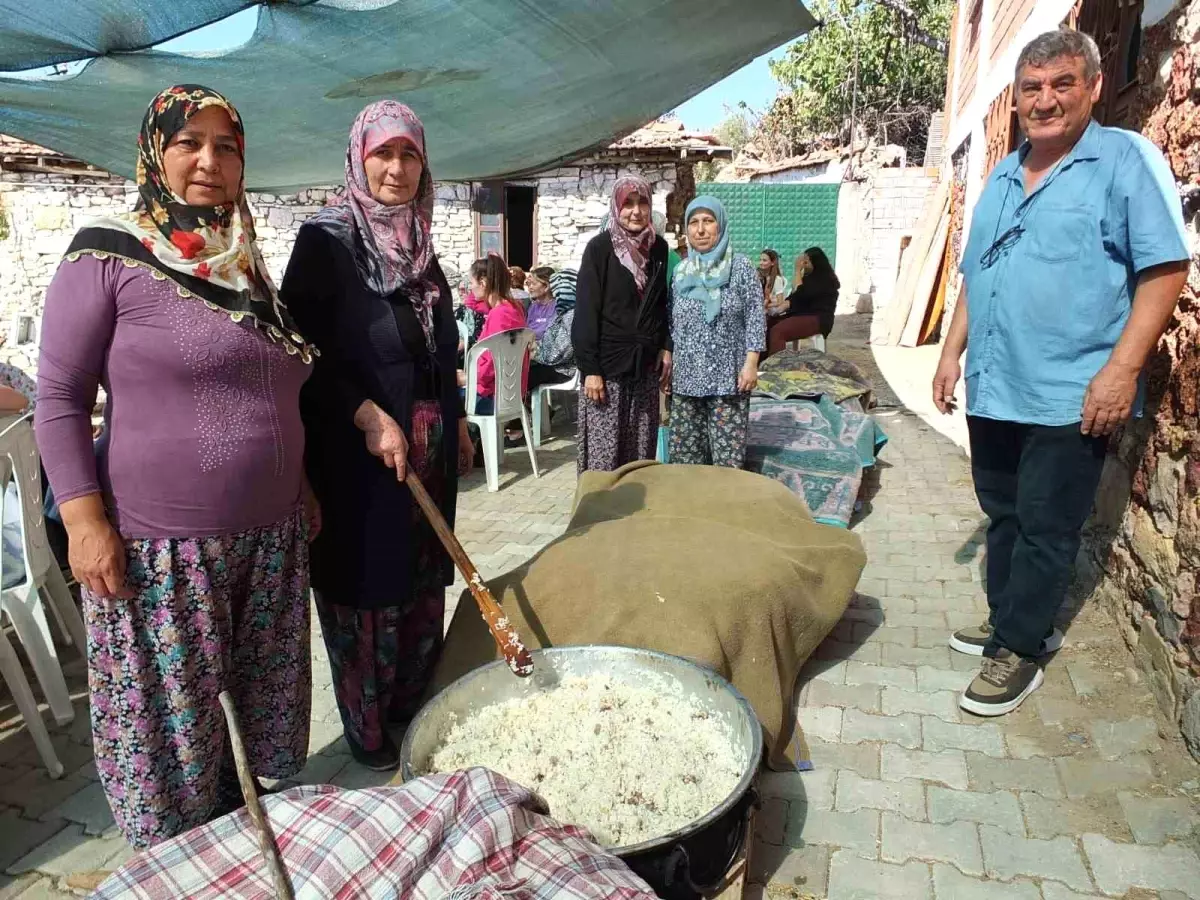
<point x="788" y="217"/>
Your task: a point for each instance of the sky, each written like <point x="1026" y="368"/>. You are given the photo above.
<point x="752" y="83"/>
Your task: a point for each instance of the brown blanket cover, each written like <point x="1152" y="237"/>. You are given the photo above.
<point x="721" y="566"/>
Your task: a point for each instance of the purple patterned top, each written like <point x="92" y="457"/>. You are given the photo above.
<point x="203" y="414"/>
<point x="539" y="316"/>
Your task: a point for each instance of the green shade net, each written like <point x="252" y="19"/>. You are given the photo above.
<point x="503" y="86"/>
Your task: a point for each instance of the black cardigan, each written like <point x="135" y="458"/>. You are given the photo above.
<point x="371" y="348"/>
<point x="616" y="333"/>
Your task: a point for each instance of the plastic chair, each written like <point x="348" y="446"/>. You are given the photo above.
<point x="818" y="343"/>
<point x="464" y="334"/>
<point x="509" y="350"/>
<point x="21" y="599"/>
<point x="541" y="406"/>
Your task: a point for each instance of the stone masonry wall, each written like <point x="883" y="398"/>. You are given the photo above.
<point x="572" y="200"/>
<point x="42" y="212"/>
<point x="1141" y="554"/>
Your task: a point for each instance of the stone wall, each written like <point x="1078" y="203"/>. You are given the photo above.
<point x="572" y="200"/>
<point x="42" y="212"/>
<point x="1141" y="556"/>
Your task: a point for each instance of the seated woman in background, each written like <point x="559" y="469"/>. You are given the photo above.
<point x="489" y="280"/>
<point x="542" y="308"/>
<point x="810" y="306"/>
<point x="774" y="285"/>
<point x="516" y="286"/>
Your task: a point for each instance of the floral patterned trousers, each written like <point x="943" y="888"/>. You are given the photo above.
<point x="210" y="614"/>
<point x="709" y="431"/>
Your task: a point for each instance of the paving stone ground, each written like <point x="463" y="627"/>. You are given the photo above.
<point x="1077" y="795"/>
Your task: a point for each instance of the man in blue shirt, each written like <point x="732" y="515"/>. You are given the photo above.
<point x="1073" y="267"/>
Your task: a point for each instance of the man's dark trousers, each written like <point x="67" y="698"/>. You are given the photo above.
<point x="1037" y="484"/>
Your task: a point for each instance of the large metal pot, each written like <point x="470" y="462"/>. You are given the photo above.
<point x="682" y="864"/>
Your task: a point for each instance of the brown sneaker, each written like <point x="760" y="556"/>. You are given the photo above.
<point x="1003" y="683"/>
<point x="972" y="640"/>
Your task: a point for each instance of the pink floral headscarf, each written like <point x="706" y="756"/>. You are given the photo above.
<point x="633" y="250"/>
<point x="391" y="245"/>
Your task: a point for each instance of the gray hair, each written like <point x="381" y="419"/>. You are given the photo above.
<point x="1057" y="44"/>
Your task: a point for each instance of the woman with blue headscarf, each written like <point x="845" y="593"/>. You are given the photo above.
<point x="719" y="328"/>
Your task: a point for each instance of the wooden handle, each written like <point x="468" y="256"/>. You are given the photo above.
<point x="266" y="840"/>
<point x="507" y="640"/>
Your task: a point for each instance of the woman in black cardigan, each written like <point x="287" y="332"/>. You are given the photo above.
<point x="811" y="306"/>
<point x="365" y="286"/>
<point x="621" y="333"/>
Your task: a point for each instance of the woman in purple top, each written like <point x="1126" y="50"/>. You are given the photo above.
<point x="541" y="310"/>
<point x="188" y="533"/>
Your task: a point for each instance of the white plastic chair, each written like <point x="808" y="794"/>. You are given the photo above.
<point x="509" y="350"/>
<point x="818" y="343"/>
<point x="541" y="407"/>
<point x="21" y="602"/>
<point x="464" y="334"/>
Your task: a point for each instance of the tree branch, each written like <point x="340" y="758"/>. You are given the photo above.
<point x="918" y="36"/>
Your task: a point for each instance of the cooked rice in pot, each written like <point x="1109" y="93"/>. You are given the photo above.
<point x="627" y="763"/>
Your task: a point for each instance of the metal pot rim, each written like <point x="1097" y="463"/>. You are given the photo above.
<point x="754" y="727"/>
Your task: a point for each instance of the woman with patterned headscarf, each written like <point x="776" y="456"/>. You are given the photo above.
<point x="620" y="333"/>
<point x="719" y="329"/>
<point x="366" y="286"/>
<point x="187" y="530"/>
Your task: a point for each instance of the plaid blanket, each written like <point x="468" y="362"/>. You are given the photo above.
<point x="469" y="835"/>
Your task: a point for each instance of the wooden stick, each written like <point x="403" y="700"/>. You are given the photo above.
<point x="266" y="840"/>
<point x="507" y="640"/>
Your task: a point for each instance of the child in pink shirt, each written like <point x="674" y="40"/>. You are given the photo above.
<point x="490" y="281"/>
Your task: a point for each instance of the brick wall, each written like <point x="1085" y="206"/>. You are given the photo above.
<point x="896" y="200"/>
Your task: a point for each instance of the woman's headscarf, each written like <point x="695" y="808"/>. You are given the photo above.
<point x="633" y="250"/>
<point x="392" y="246"/>
<point x="209" y="252"/>
<point x="702" y="275"/>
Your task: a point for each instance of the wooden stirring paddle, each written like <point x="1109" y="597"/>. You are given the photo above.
<point x="507" y="640"/>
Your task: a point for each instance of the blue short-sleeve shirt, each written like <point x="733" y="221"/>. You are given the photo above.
<point x="1046" y="306"/>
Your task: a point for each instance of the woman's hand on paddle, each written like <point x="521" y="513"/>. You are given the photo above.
<point x="385" y="438"/>
<point x="664" y="371"/>
<point x="593" y="389"/>
<point x="95" y="551"/>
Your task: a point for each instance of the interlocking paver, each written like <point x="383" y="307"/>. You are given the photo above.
<point x="951" y="884"/>
<point x="1051" y="817"/>
<point x="806" y="868"/>
<point x="1119" y="867"/>
<point x="942" y="704"/>
<point x="904" y="730"/>
<point x="933" y="679"/>
<point x="88" y="807"/>
<point x="939" y="734"/>
<point x="853" y="878"/>
<point x="988" y="774"/>
<point x="1084" y="777"/>
<point x="1154" y="820"/>
<point x="860" y="758"/>
<point x="948" y="767"/>
<point x="850" y="830"/>
<point x="1116" y="739"/>
<point x="813" y="788"/>
<point x="1052" y="890"/>
<point x="771" y="820"/>
<point x="863" y="697"/>
<point x="1007" y="857"/>
<point x="904" y="797"/>
<point x="956" y="843"/>
<point x="824" y="722"/>
<point x="883" y="676"/>
<point x="999" y="808"/>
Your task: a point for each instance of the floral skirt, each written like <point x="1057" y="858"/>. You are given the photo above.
<point x="215" y="613"/>
<point x="382" y="659"/>
<point x="623" y="430"/>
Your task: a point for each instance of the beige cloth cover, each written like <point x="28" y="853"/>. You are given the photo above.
<point x="721" y="566"/>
